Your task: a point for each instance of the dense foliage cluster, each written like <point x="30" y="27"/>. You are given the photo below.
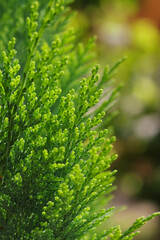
<point x="54" y="157"/>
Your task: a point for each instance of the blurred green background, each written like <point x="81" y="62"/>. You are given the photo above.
<point x="131" y="28"/>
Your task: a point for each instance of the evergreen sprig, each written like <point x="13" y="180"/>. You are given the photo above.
<point x="54" y="159"/>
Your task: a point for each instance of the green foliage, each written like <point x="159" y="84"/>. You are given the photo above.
<point x="54" y="159"/>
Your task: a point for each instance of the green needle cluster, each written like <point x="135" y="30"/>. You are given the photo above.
<point x="55" y="154"/>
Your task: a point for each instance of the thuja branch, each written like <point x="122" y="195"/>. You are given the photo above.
<point x="53" y="155"/>
<point x="34" y="38"/>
